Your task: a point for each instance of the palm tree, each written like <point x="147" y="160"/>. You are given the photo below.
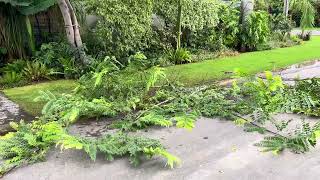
<point x="178" y="26"/>
<point x="286" y="4"/>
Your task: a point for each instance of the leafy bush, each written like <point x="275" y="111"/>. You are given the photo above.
<point x="12" y="79"/>
<point x="12" y="74"/>
<point x="70" y="69"/>
<point x="256" y="30"/>
<point x="37" y="71"/>
<point x="50" y="54"/>
<point x="281" y="24"/>
<point x="179" y="56"/>
<point x="305" y="36"/>
<point x="228" y="28"/>
<point x="125" y="26"/>
<point x="16" y="66"/>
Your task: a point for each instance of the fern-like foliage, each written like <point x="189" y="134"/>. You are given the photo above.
<point x="28" y="144"/>
<point x="299" y="102"/>
<point x="31" y="142"/>
<point x="69" y="108"/>
<point x="301" y="141"/>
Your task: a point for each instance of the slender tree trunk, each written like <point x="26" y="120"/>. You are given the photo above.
<point x="72" y="29"/>
<point x="247" y="7"/>
<point x="179" y="16"/>
<point x="67" y="22"/>
<point x="286" y="8"/>
<point x="76" y="25"/>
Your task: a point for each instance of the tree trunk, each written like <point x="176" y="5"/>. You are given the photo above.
<point x="246" y="9"/>
<point x="67" y="22"/>
<point x="72" y="29"/>
<point x="286" y="8"/>
<point x="179" y="16"/>
<point x="76" y="26"/>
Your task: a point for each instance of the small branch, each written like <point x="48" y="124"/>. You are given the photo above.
<point x="256" y="125"/>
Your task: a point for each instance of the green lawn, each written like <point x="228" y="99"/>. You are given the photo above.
<point x="24" y="96"/>
<point x="250" y="63"/>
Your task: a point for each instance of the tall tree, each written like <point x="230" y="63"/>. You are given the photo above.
<point x="178" y="26"/>
<point x="71" y="23"/>
<point x="72" y="29"/>
<point x="247" y="7"/>
<point x="286" y="5"/>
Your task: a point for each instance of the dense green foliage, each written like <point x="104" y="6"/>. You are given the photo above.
<point x="126" y="25"/>
<point x="255" y="30"/>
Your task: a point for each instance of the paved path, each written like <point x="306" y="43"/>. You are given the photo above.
<point x="298" y="31"/>
<point x="9" y="111"/>
<point x="214" y="150"/>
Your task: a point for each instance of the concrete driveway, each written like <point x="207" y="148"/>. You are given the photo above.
<point x="214" y="150"/>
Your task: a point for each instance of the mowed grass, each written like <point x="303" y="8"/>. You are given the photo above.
<point x="24" y="96"/>
<point x="250" y="63"/>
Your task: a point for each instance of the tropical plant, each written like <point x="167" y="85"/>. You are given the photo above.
<point x="179" y="56"/>
<point x="256" y="30"/>
<point x="305" y="7"/>
<point x="11" y="78"/>
<point x="23" y="8"/>
<point x="36" y="71"/>
<point x="16" y="66"/>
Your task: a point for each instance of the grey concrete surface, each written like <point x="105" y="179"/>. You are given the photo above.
<point x="298" y="31"/>
<point x="9" y="112"/>
<point x="302" y="71"/>
<point x="214" y="150"/>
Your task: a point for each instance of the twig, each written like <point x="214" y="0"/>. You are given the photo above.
<point x="256" y="125"/>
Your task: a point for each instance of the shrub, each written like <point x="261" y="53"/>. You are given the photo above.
<point x="50" y="54"/>
<point x="305" y="36"/>
<point x="125" y="25"/>
<point x="228" y="26"/>
<point x="281" y="24"/>
<point x="11" y="79"/>
<point x="16" y="66"/>
<point x="255" y="30"/>
<point x="179" y="56"/>
<point x="36" y="71"/>
<point x="70" y="70"/>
